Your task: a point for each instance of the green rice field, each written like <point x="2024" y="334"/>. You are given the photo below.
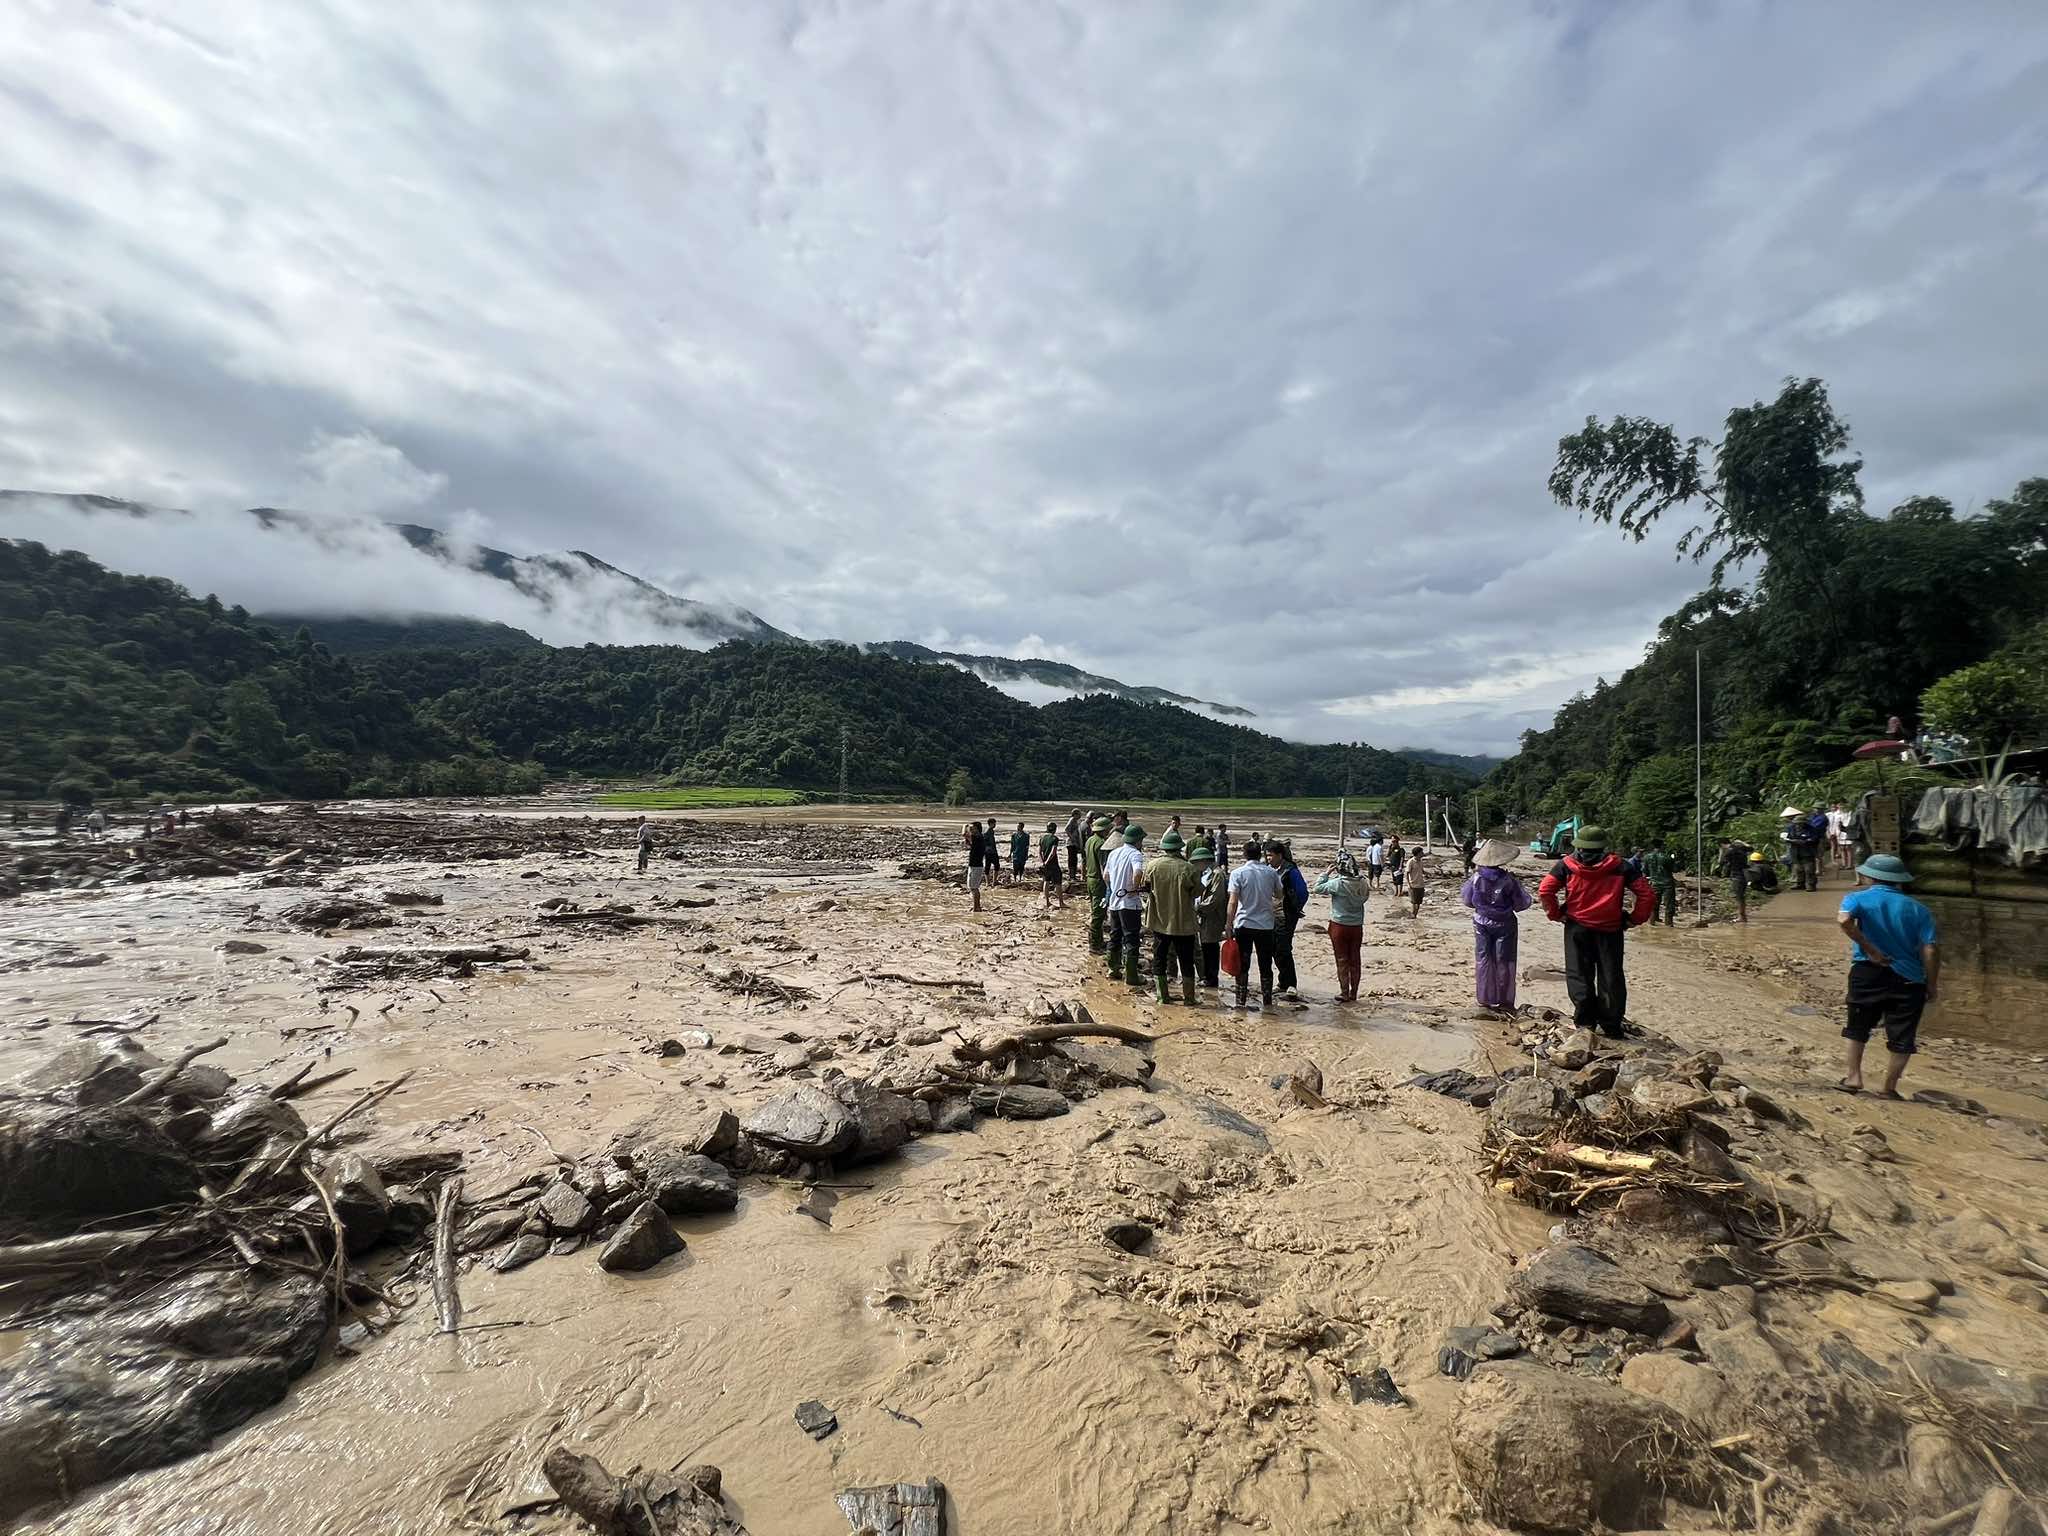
<point x="696" y="798"/>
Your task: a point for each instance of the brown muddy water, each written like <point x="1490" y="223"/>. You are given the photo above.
<point x="961" y="1313"/>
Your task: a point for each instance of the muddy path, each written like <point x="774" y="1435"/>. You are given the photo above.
<point x="961" y="1310"/>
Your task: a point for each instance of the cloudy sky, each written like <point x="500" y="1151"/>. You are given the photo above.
<point x="1222" y="347"/>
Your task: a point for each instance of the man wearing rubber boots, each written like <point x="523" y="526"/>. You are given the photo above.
<point x="1584" y="892"/>
<point x="1171" y="885"/>
<point x="1122" y="874"/>
<point x="1098" y="898"/>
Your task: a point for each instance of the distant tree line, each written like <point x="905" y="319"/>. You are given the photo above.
<point x="123" y="686"/>
<point x="1819" y="622"/>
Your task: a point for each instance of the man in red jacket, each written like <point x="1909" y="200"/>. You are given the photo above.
<point x="1584" y="893"/>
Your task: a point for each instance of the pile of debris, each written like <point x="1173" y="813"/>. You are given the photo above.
<point x="1630" y="1378"/>
<point x="175" y="1248"/>
<point x="692" y="1503"/>
<point x="682" y="1159"/>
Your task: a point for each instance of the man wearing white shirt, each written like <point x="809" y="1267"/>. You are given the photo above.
<point x="1253" y="915"/>
<point x="1120" y="873"/>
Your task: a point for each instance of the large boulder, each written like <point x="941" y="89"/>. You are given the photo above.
<point x="643" y="1240"/>
<point x="686" y="1185"/>
<point x="1697" y="1391"/>
<point x="1544" y="1450"/>
<point x="1575" y="1282"/>
<point x="57" y="1162"/>
<point x="806" y="1122"/>
<point x="885" y="1120"/>
<point x="122" y="1390"/>
<point x="1528" y="1106"/>
<point x="706" y="1129"/>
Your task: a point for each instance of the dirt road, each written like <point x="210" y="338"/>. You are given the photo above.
<point x="962" y="1311"/>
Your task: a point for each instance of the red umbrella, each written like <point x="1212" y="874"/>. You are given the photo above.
<point x="1880" y="750"/>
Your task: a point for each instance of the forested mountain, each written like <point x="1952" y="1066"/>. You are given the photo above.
<point x="126" y="685"/>
<point x="1819" y="621"/>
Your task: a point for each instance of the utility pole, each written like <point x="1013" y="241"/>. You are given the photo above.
<point x="1233" y="771"/>
<point x="844" y="735"/>
<point x="1699" y="794"/>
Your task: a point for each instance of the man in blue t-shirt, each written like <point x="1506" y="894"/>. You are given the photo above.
<point x="1893" y="963"/>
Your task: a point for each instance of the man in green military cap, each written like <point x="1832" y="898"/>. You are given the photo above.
<point x="1098" y="905"/>
<point x="1122" y="873"/>
<point x="1171" y="885"/>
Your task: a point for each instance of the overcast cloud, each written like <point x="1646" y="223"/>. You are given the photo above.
<point x="1223" y="348"/>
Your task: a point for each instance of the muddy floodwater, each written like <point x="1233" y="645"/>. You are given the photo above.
<point x="958" y="1307"/>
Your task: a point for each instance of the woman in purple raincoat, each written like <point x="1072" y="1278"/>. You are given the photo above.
<point x="1495" y="896"/>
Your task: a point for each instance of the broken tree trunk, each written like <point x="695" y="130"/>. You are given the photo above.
<point x="163" y="1079"/>
<point x="447" y="1286"/>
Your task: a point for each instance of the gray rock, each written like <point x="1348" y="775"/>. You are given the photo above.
<point x="490" y="1229"/>
<point x="883" y="1120"/>
<point x="564" y="1209"/>
<point x="1576" y="1050"/>
<point x="1696" y="1391"/>
<point x="1128" y="1233"/>
<point x="59" y="1163"/>
<point x="815" y="1419"/>
<point x="685" y="1185"/>
<point x="1117" y="1066"/>
<point x="1710" y="1271"/>
<point x="1020" y="1102"/>
<point x="359" y="1199"/>
<point x="520" y="1252"/>
<point x="896" y="1509"/>
<point x="1139" y="1116"/>
<point x="1762" y="1105"/>
<point x="1528" y="1106"/>
<point x="1667" y="1096"/>
<point x="1574" y="1282"/>
<point x="791" y="1058"/>
<point x="1374" y="1386"/>
<point x="239" y="1125"/>
<point x="806" y="1122"/>
<point x="1483" y="1343"/>
<point x="1636" y="1069"/>
<point x="953" y="1115"/>
<point x="683" y="1128"/>
<point x="410" y="1217"/>
<point x="2002" y="1390"/>
<point x="643" y="1240"/>
<point x="1545" y="1450"/>
<point x="241" y="947"/>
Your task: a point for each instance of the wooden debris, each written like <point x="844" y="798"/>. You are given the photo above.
<point x="447" y="1286"/>
<point x="163" y="1079"/>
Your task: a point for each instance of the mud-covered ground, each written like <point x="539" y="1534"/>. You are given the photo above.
<point x="959" y="1307"/>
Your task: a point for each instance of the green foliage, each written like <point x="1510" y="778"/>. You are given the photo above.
<point x="959" y="787"/>
<point x="1996" y="702"/>
<point x="1845" y="620"/>
<point x="354" y="635"/>
<point x="126" y="685"/>
<point x="1657" y="802"/>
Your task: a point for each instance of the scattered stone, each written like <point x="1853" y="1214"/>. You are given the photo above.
<point x="1303" y="1073"/>
<point x="242" y="947"/>
<point x="520" y="1252"/>
<point x="411" y="899"/>
<point x="1117" y="1066"/>
<point x="1575" y="1282"/>
<point x="1701" y="1067"/>
<point x="686" y="1185"/>
<point x="641" y="1503"/>
<point x="669" y="1049"/>
<point x="1762" y="1105"/>
<point x="359" y="1199"/>
<point x="1878" y="1262"/>
<point x="1711" y="1271"/>
<point x="1483" y="1343"/>
<point x="1916" y="1295"/>
<point x="896" y="1509"/>
<point x="807" y="1122"/>
<point x="1548" y="1451"/>
<point x="565" y="1209"/>
<point x="958" y="1114"/>
<point x="791" y="1058"/>
<point x="818" y="1203"/>
<point x="1694" y="1390"/>
<point x="1375" y="1386"/>
<point x="1528" y="1106"/>
<point x="883" y="1121"/>
<point x="1682" y="1334"/>
<point x="1128" y="1233"/>
<point x="815" y="1419"/>
<point x="643" y="1240"/>
<point x="1457" y="1083"/>
<point x="1938" y="1467"/>
<point x="1138" y="1116"/>
<point x="490" y="1229"/>
<point x="57" y="1161"/>
<point x="1578" y="1049"/>
<point x="1663" y="1096"/>
<point x="1597" y="1077"/>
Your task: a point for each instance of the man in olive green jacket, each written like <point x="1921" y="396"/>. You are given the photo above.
<point x="1098" y="894"/>
<point x="1171" y="886"/>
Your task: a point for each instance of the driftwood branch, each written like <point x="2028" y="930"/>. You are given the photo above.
<point x="447" y="1287"/>
<point x="296" y="1089"/>
<point x="1045" y="1034"/>
<point x="163" y="1079"/>
<point x="964" y="985"/>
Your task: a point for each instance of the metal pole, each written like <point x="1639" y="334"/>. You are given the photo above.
<point x="1340" y="822"/>
<point x="843" y="733"/>
<point x="1425" y="821"/>
<point x="1699" y="795"/>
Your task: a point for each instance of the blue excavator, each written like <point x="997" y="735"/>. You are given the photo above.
<point x="1563" y="837"/>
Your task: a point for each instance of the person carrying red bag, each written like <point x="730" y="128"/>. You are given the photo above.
<point x="1584" y="892"/>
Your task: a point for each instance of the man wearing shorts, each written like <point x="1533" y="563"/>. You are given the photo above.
<point x="1893" y="963"/>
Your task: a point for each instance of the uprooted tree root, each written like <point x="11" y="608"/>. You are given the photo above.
<point x="1587" y="1162"/>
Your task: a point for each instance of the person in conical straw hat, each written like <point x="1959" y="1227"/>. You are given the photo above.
<point x="1497" y="899"/>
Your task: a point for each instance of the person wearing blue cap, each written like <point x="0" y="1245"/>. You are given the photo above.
<point x="1893" y="964"/>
